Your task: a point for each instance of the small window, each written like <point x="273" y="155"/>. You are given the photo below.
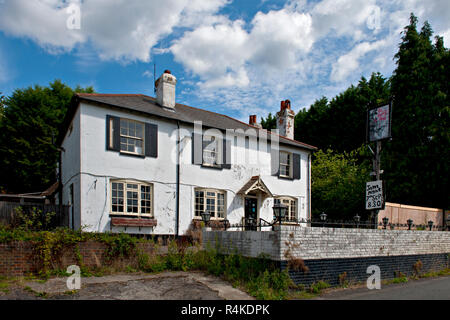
<point x="130" y="198"/>
<point x="131" y="136"/>
<point x="211" y="151"/>
<point x="285" y="164"/>
<point x="291" y="213"/>
<point x="211" y="200"/>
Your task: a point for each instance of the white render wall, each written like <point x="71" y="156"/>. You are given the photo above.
<point x="97" y="166"/>
<point x="70" y="160"/>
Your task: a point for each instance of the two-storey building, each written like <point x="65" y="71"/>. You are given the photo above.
<point x="143" y="165"/>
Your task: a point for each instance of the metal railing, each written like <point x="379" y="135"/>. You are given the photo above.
<point x="261" y="224"/>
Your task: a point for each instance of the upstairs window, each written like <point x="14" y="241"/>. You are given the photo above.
<point x="285" y="164"/>
<point x="210" y="200"/>
<point x="131" y="198"/>
<point x="131" y="136"/>
<point x="211" y="151"/>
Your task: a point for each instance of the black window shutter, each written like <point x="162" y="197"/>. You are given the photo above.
<point x="296" y="166"/>
<point x="115" y="131"/>
<point x="226" y="154"/>
<point x="151" y="140"/>
<point x="197" y="148"/>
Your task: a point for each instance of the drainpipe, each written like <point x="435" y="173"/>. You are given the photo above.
<point x="309" y="187"/>
<point x="177" y="213"/>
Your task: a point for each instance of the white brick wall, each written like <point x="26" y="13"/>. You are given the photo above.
<point x="322" y="243"/>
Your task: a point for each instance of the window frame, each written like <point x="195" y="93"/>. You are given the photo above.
<point x="139" y="199"/>
<point x="218" y="151"/>
<point x="287" y="165"/>
<point x="135" y="138"/>
<point x="216" y="198"/>
<point x="291" y="218"/>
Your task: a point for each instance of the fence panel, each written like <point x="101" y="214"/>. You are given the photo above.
<point x="8" y="213"/>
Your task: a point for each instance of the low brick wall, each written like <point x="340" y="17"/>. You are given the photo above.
<point x="17" y="258"/>
<point x="329" y="252"/>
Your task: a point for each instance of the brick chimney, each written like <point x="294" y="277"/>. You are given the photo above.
<point x="165" y="90"/>
<point x="252" y="121"/>
<point x="285" y="120"/>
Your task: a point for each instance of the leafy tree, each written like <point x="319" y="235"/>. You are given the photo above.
<point x="269" y="123"/>
<point x="28" y="130"/>
<point x="416" y="160"/>
<point x="2" y="105"/>
<point x="340" y="124"/>
<point x="338" y="183"/>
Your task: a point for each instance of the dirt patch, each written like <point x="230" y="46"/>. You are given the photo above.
<point x="164" y="286"/>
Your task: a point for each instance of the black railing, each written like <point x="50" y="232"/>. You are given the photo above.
<point x="260" y="224"/>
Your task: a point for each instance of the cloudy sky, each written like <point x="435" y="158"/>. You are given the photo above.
<point x="236" y="57"/>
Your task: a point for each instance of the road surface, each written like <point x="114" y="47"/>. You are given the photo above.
<point x="423" y="289"/>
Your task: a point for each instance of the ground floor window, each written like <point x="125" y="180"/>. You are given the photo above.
<point x="211" y="200"/>
<point x="291" y="213"/>
<point x="131" y="198"/>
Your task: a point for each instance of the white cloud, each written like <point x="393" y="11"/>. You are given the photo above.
<point x="301" y="51"/>
<point x="215" y="53"/>
<point x="118" y="29"/>
<point x="349" y="62"/>
<point x="43" y="21"/>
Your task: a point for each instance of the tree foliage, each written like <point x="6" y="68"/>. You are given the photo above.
<point x="416" y="160"/>
<point x="340" y="124"/>
<point x="338" y="183"/>
<point x="269" y="123"/>
<point x="28" y="130"/>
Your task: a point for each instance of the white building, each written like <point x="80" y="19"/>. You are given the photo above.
<point x="136" y="164"/>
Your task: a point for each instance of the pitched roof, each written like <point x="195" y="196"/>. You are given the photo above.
<point x="147" y="105"/>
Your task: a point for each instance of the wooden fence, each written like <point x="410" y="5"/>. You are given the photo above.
<point x="8" y="214"/>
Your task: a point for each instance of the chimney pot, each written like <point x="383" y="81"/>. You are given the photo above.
<point x="287" y="103"/>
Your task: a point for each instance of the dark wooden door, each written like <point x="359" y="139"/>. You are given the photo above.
<point x="251" y="212"/>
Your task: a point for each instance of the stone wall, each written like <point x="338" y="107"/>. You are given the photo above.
<point x="330" y="252"/>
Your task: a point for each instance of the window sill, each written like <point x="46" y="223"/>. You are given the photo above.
<point x="137" y="155"/>
<point x="210" y="166"/>
<point x="133" y="222"/>
<point x="285" y="177"/>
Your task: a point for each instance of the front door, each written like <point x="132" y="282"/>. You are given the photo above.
<point x="251" y="212"/>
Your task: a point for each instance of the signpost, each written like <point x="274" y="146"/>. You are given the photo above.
<point x="374" y="195"/>
<point x="378" y="129"/>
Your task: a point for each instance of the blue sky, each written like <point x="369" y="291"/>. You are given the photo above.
<point x="233" y="57"/>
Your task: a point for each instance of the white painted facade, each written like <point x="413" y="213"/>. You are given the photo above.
<point x="89" y="167"/>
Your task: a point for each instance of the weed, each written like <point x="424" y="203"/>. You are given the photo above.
<point x="317" y="287"/>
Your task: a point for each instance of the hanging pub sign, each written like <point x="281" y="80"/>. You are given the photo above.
<point x="379" y="122"/>
<point x="374" y="195"/>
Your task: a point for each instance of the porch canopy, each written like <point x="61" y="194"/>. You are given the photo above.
<point x="255" y="185"/>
